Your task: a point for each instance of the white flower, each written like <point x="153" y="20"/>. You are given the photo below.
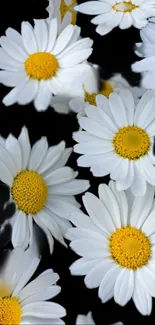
<point x="115" y="84"/>
<point x="64" y="11"/>
<point x="88" y="320"/>
<point x="146" y="49"/>
<point x="22" y="303"/>
<point x="87" y="83"/>
<point x="117" y="245"/>
<point x="112" y="13"/>
<point x="37" y="63"/>
<point x="118" y="140"/>
<point x="41" y="186"/>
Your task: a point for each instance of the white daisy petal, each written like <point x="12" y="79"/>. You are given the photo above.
<point x="123" y="203"/>
<point x="74" y="187"/>
<point x="41" y="34"/>
<point x="44" y="310"/>
<point x="118" y="109"/>
<point x="30" y="320"/>
<point x="89" y="248"/>
<point x="63" y="39"/>
<point x="53" y="27"/>
<point x="13" y="147"/>
<point x="43" y="97"/>
<point x="140" y="210"/>
<point x="29" y="39"/>
<point x="60" y="175"/>
<point x="83" y="265"/>
<point x="138" y="186"/>
<point x="141" y="298"/>
<point x="95" y="275"/>
<point x="44" y="294"/>
<point x="124" y="286"/>
<point x="38" y="153"/>
<point x="13" y="49"/>
<point x="24" y="146"/>
<point x="91" y="7"/>
<point x="28" y="93"/>
<point x="20" y="230"/>
<point x="12" y="97"/>
<point x="106" y="288"/>
<point x="53" y="156"/>
<point x="46" y="231"/>
<point x="11" y="78"/>
<point x="98" y="213"/>
<point x="147" y="278"/>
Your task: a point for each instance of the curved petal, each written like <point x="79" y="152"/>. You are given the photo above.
<point x="124" y="286"/>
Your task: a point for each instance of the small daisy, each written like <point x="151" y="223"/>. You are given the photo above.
<point x="146" y="50"/>
<point x="41" y="186"/>
<point x="37" y="63"/>
<point x="114" y="84"/>
<point x="88" y="320"/>
<point x="117" y="245"/>
<point x="113" y="13"/>
<point x="87" y="83"/>
<point x="22" y="303"/>
<point x="64" y="11"/>
<point x="118" y="140"/>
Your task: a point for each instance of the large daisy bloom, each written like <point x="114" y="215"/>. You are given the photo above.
<point x="37" y="63"/>
<point x="116" y="243"/>
<point x="87" y="83"/>
<point x="88" y="320"/>
<point x="146" y="50"/>
<point x="117" y="139"/>
<point x="41" y="186"/>
<point x="64" y="11"/>
<point x="107" y="87"/>
<point x="22" y="303"/>
<point x="112" y="13"/>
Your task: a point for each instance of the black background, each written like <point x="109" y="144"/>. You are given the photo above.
<point x="114" y="53"/>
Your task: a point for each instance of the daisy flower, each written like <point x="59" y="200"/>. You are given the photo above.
<point x="64" y="11"/>
<point x="115" y="84"/>
<point x="88" y="320"/>
<point x="117" y="245"/>
<point x="41" y="186"/>
<point x="87" y="83"/>
<point x="37" y="63"/>
<point x="146" y="50"/>
<point x="22" y="303"/>
<point x="112" y="13"/>
<point x="118" y="140"/>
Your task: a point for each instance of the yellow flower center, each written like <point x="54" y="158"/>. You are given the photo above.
<point x="41" y="65"/>
<point x="131" y="142"/>
<point x="64" y="8"/>
<point x="29" y="191"/>
<point x="10" y="311"/>
<point x="106" y="91"/>
<point x="124" y="6"/>
<point x="129" y="247"/>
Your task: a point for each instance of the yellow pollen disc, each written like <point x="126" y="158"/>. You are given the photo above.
<point x="131" y="142"/>
<point x="10" y="311"/>
<point x="130" y="248"/>
<point x="29" y="191"/>
<point x="64" y="8"/>
<point x="124" y="6"/>
<point x="41" y="65"/>
<point x="106" y="91"/>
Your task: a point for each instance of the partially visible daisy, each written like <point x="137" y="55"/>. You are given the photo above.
<point x="64" y="11"/>
<point x="88" y="320"/>
<point x="22" y="303"/>
<point x="38" y="64"/>
<point x="146" y="50"/>
<point x="87" y="83"/>
<point x="117" y="139"/>
<point x="112" y="13"/>
<point x="41" y="186"/>
<point x="116" y="243"/>
<point x="115" y="84"/>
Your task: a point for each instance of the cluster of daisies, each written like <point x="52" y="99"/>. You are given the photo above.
<point x="47" y="64"/>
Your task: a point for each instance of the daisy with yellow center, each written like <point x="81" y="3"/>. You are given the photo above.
<point x="113" y="13"/>
<point x="76" y="98"/>
<point x="41" y="186"/>
<point x="116" y="243"/>
<point x="64" y="11"/>
<point x="22" y="303"/>
<point x="117" y="139"/>
<point x="37" y="63"/>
